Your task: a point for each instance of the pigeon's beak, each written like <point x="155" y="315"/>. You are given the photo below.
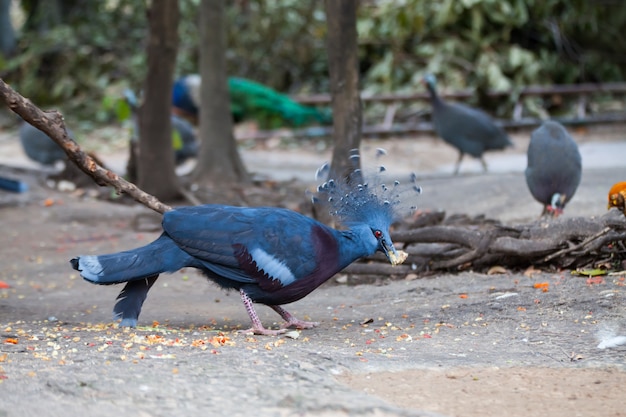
<point x="394" y="257"/>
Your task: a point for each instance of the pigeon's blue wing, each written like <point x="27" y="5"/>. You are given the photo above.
<point x="269" y="246"/>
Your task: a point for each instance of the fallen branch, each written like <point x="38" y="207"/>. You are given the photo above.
<point x="53" y="124"/>
<point x="577" y="247"/>
<point x="482" y="246"/>
<point x="565" y="242"/>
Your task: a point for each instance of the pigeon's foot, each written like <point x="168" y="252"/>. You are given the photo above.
<point x="291" y="321"/>
<point x="257" y="326"/>
<point x="262" y="331"/>
<point x="299" y="324"/>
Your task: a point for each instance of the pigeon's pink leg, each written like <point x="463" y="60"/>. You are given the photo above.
<point x="291" y="321"/>
<point x="257" y="326"/>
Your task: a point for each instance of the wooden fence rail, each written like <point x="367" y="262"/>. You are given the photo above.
<point x="581" y="94"/>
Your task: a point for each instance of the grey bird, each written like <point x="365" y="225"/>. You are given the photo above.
<point x="554" y="167"/>
<point x="39" y="147"/>
<point x="470" y="130"/>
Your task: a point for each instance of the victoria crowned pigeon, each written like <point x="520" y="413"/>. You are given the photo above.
<point x="272" y="256"/>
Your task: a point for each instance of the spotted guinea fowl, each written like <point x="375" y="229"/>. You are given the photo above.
<point x="617" y="196"/>
<point x="40" y="147"/>
<point x="272" y="256"/>
<point x="554" y="167"/>
<point x="470" y="130"/>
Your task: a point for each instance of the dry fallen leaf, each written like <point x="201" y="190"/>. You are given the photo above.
<point x="590" y="272"/>
<point x="530" y="271"/>
<point x="293" y="334"/>
<point x="410" y="277"/>
<point x="496" y="270"/>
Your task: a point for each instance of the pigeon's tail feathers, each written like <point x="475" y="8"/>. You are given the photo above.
<point x="130" y="301"/>
<point x="162" y="255"/>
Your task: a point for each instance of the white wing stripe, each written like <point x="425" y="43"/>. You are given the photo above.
<point x="272" y="266"/>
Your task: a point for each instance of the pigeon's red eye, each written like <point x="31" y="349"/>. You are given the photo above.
<point x="378" y="234"/>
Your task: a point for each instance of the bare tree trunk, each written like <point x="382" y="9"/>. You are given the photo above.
<point x="219" y="159"/>
<point x="344" y="83"/>
<point x="156" y="168"/>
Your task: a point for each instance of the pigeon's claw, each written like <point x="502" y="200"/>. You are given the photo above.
<point x="292" y="321"/>
<point x="257" y="326"/>
<point x="300" y="324"/>
<point x="262" y="331"/>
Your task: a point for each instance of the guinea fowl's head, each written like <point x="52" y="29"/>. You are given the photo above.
<point x="430" y="82"/>
<point x="556" y="206"/>
<point x="367" y="206"/>
<point x="617" y="196"/>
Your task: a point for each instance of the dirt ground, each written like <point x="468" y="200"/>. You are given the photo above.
<point x="463" y="344"/>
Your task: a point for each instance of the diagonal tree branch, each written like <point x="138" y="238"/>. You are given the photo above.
<point x="53" y="124"/>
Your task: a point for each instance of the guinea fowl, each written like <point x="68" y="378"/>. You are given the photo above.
<point x="272" y="256"/>
<point x="249" y="100"/>
<point x="39" y="147"/>
<point x="617" y="196"/>
<point x="469" y="130"/>
<point x="554" y="167"/>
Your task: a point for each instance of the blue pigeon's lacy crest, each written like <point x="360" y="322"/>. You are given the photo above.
<point x="362" y="197"/>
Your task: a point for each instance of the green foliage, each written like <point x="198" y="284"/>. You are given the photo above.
<point x="92" y="48"/>
<point x="114" y="105"/>
<point x="81" y="54"/>
<point x="497" y="44"/>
